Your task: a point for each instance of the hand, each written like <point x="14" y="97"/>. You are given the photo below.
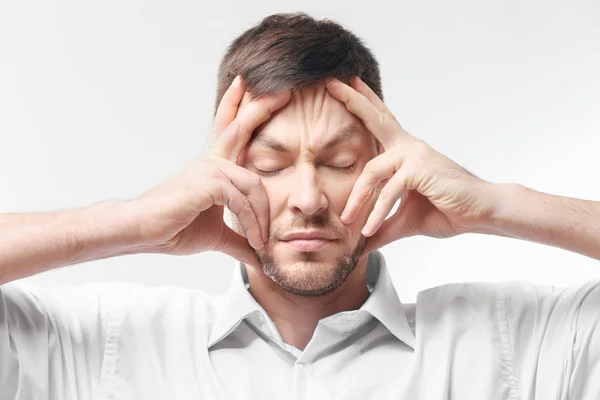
<point x="184" y="215"/>
<point x="439" y="198"/>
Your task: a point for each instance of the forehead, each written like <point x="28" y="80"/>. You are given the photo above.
<point x="312" y="117"/>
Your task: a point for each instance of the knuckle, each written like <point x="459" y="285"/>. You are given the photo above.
<point x="381" y="118"/>
<point x="213" y="173"/>
<point x="370" y="172"/>
<point x="347" y="97"/>
<point x="245" y="205"/>
<point x="254" y="181"/>
<point x="214" y="151"/>
<point x="455" y="172"/>
<point x="420" y="147"/>
<point x="231" y="198"/>
<point x="223" y="196"/>
<point x="389" y="115"/>
<point x="369" y="167"/>
<point x="385" y="197"/>
<point x="266" y="108"/>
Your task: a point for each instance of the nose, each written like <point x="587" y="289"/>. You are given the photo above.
<point x="306" y="195"/>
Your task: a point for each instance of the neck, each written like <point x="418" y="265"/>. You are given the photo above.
<point x="296" y="317"/>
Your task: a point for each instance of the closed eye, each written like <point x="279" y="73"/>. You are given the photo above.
<point x="269" y="173"/>
<point x="276" y="171"/>
<point x="335" y="168"/>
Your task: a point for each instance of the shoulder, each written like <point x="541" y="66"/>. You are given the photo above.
<point x="115" y="303"/>
<point x="512" y="302"/>
<point x="514" y="294"/>
<point x="141" y="302"/>
<point x="455" y="297"/>
<point x="522" y="312"/>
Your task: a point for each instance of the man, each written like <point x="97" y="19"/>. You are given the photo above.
<point x="310" y="161"/>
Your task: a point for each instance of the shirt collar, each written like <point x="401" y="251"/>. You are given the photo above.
<point x="383" y="303"/>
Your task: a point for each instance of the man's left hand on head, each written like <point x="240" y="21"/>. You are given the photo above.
<point x="439" y="198"/>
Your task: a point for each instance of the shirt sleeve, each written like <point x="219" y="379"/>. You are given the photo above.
<point x="554" y="335"/>
<point x="52" y="341"/>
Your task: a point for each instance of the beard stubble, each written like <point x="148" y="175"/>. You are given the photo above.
<point x="313" y="282"/>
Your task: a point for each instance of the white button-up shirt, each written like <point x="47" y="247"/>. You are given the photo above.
<point x="479" y="341"/>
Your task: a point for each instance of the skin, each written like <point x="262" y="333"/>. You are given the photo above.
<point x="309" y="154"/>
<point x="184" y="214"/>
<point x="439" y="198"/>
<point x="289" y="177"/>
<point x="309" y="187"/>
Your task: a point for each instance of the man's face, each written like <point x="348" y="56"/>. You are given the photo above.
<point x="309" y="154"/>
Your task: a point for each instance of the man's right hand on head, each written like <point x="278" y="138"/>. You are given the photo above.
<point x="184" y="215"/>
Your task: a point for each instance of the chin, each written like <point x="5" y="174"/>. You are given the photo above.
<point x="310" y="273"/>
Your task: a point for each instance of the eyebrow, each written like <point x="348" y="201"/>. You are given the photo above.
<point x="343" y="134"/>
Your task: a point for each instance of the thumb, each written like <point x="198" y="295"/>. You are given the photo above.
<point x="237" y="246"/>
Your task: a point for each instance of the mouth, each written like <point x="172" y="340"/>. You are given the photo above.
<point x="309" y="240"/>
<point x="308" y="244"/>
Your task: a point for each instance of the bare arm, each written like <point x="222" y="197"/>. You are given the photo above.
<point x="31" y="243"/>
<point x="565" y="222"/>
<point x="442" y="199"/>
<point x="181" y="216"/>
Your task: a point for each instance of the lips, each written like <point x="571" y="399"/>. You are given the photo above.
<point x="309" y="240"/>
<point x="309" y="235"/>
<point x="308" y="244"/>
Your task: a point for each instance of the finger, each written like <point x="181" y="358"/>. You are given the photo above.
<point x="361" y="87"/>
<point x="390" y="194"/>
<point x="231" y="141"/>
<point x="228" y="107"/>
<point x="385" y="129"/>
<point x="227" y="194"/>
<point x="392" y="229"/>
<point x="251" y="186"/>
<point x="379" y="168"/>
<point x="236" y="246"/>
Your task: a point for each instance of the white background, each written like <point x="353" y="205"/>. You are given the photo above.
<point x="103" y="100"/>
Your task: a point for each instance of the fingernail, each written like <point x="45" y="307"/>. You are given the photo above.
<point x="366" y="230"/>
<point x="344" y="216"/>
<point x="236" y="81"/>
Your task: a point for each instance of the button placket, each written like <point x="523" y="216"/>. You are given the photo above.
<point x="310" y="370"/>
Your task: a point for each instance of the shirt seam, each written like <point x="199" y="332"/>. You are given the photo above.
<point x="111" y="310"/>
<point x="506" y="350"/>
<point x="568" y="373"/>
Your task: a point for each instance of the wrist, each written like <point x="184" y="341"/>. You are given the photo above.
<point x="109" y="229"/>
<point x="564" y="222"/>
<point x="48" y="240"/>
<point x="508" y="204"/>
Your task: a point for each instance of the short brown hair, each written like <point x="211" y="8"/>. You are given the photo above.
<point x="296" y="51"/>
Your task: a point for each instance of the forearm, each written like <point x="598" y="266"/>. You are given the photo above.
<point x="35" y="242"/>
<point x="568" y="223"/>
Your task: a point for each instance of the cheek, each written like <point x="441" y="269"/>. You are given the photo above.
<point x="337" y="188"/>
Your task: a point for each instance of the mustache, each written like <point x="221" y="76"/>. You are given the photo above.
<point x="319" y="222"/>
